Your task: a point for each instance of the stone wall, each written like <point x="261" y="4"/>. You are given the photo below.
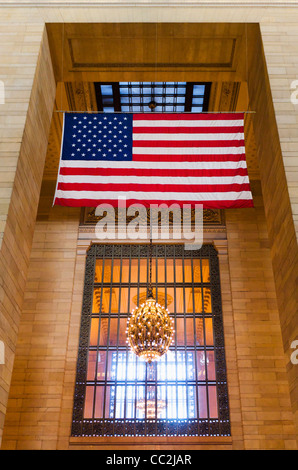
<point x="26" y="72"/>
<point x="24" y="137"/>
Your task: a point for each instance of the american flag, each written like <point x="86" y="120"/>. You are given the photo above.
<point x="152" y="159"/>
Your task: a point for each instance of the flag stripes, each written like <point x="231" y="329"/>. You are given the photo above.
<point x="154" y="158"/>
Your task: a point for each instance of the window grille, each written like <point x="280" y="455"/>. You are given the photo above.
<point x="185" y="392"/>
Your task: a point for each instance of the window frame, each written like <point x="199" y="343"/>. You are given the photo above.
<point x="91" y="427"/>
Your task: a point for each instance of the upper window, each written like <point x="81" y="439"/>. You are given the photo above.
<point x="182" y="394"/>
<point x="169" y="97"/>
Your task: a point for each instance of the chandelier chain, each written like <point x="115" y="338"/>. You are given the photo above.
<point x="150" y="291"/>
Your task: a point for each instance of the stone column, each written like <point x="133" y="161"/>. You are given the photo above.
<point x="27" y="76"/>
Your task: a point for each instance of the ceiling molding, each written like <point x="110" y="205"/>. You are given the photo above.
<point x="148" y="4"/>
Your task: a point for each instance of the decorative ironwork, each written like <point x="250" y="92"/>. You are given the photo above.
<point x="212" y="217"/>
<point x="132" y="403"/>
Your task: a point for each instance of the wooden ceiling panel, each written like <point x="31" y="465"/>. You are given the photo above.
<point x="148" y="52"/>
<point x="102" y="53"/>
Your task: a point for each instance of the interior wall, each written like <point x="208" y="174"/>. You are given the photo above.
<point x="36" y="400"/>
<point x="278" y="211"/>
<point x="265" y="407"/>
<point x="22" y="210"/>
<point x="41" y="398"/>
<point x="276" y="199"/>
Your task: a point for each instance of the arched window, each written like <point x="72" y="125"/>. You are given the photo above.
<point x="182" y="394"/>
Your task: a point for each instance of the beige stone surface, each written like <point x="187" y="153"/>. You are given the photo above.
<point x="22" y="149"/>
<point x="41" y="396"/>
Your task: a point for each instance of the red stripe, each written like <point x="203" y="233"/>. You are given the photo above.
<point x="189" y="158"/>
<point x="165" y="188"/>
<point x="240" y="203"/>
<point x="188" y="117"/>
<point x="188" y="130"/>
<point x="188" y="143"/>
<point x="149" y="172"/>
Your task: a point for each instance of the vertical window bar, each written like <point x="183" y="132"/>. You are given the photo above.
<point x="205" y="350"/>
<point x="175" y="97"/>
<point x="138" y="301"/>
<point x="98" y="334"/>
<point x="195" y="343"/>
<point x="116" y="97"/>
<point x="130" y="96"/>
<point x="142" y="97"/>
<point x="98" y="96"/>
<point x="214" y="349"/>
<point x="206" y="97"/>
<point x="188" y="97"/>
<point x="185" y="337"/>
<point x="127" y="349"/>
<point x="118" y="334"/>
<point x="108" y="340"/>
<point x="166" y="358"/>
<point x="176" y="351"/>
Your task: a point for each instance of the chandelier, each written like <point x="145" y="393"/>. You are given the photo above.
<point x="150" y="407"/>
<point x="150" y="328"/>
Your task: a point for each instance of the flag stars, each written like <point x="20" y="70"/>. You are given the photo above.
<point x="100" y="136"/>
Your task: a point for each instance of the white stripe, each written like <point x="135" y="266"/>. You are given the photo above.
<point x="199" y="137"/>
<point x="188" y="123"/>
<point x="153" y="165"/>
<point x="153" y="180"/>
<point x="229" y="196"/>
<point x="188" y="151"/>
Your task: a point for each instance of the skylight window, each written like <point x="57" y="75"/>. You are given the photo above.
<point x="169" y="97"/>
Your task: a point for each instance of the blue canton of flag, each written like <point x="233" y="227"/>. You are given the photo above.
<point x="97" y="137"/>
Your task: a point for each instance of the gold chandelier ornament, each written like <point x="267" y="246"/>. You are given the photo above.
<point x="150" y="329"/>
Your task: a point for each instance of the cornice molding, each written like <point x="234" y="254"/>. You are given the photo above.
<point x="147" y="3"/>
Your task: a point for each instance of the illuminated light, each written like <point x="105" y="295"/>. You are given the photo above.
<point x="149" y="406"/>
<point x="157" y="331"/>
<point x="150" y="327"/>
